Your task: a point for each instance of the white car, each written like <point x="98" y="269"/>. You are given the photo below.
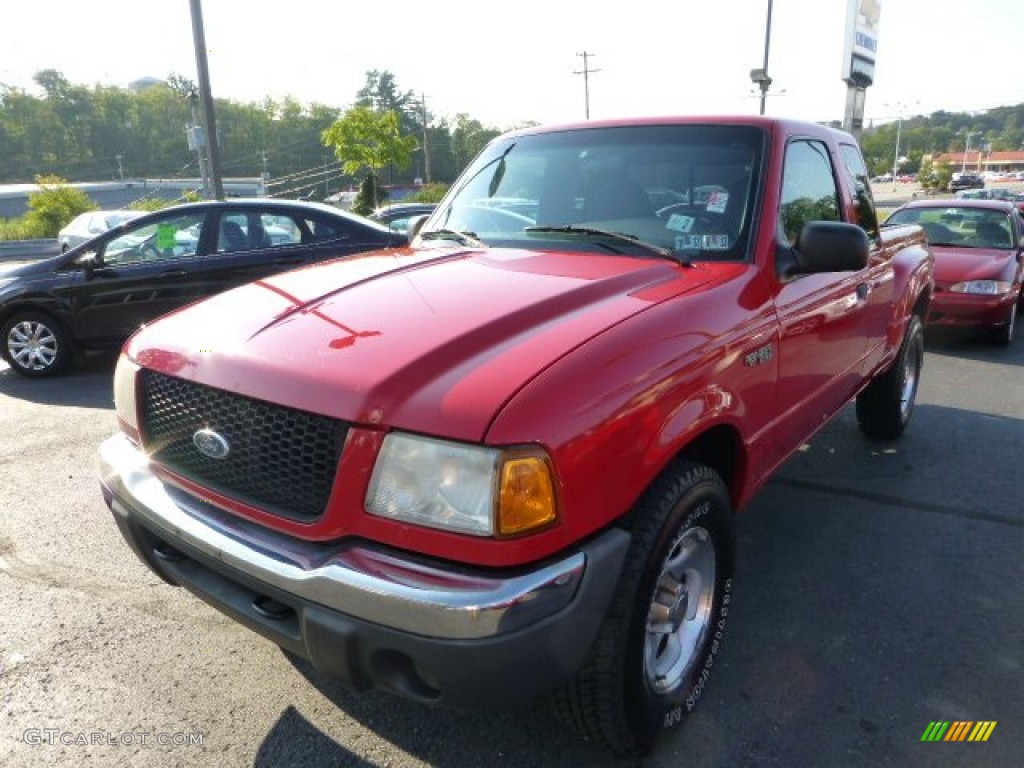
<point x="86" y="226"/>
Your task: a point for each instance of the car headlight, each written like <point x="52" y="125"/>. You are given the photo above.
<point x="983" y="287"/>
<point x="124" y="396"/>
<point x="463" y="488"/>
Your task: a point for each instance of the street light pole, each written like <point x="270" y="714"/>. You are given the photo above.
<point x="896" y="158"/>
<point x="967" y="147"/>
<point x="766" y="81"/>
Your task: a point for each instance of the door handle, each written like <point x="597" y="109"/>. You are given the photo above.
<point x="863" y="289"/>
<point x="174" y="273"/>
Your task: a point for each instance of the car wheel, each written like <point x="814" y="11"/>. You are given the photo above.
<point x="656" y="646"/>
<point x="35" y="345"/>
<point x="885" y="406"/>
<point x="1003" y="335"/>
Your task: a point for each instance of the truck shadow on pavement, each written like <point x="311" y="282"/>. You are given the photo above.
<point x="87" y="384"/>
<point x="441" y="737"/>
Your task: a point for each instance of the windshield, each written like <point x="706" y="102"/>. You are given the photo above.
<point x="685" y="190"/>
<point x="961" y="227"/>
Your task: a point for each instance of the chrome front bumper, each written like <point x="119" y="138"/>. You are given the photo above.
<point x="361" y="581"/>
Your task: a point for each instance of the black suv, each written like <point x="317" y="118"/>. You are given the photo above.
<point x="966" y="181"/>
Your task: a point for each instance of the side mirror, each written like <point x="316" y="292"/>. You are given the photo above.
<point x="88" y="262"/>
<point x="415" y="225"/>
<point x="824" y="246"/>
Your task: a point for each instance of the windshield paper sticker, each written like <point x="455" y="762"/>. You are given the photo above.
<point x="717" y="202"/>
<point x="680" y="223"/>
<point x="702" y="243"/>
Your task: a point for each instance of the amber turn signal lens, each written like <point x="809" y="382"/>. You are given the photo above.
<point x="526" y="496"/>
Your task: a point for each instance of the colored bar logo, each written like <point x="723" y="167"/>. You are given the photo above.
<point x="959" y="730"/>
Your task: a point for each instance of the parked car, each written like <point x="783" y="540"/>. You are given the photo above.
<point x="95" y="295"/>
<point x="397" y="215"/>
<point x="86" y="226"/>
<point x="966" y="181"/>
<point x="977" y="246"/>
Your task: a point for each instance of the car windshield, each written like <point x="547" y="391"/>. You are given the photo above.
<point x="960" y="227"/>
<point x="686" y="191"/>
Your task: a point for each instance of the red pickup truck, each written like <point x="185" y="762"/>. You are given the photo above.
<point x="505" y="461"/>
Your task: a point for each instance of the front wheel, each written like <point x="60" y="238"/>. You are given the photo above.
<point x="35" y="345"/>
<point x="1003" y="334"/>
<point x="655" y="649"/>
<point x="884" y="407"/>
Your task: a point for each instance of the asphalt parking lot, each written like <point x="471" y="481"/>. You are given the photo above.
<point x="877" y="591"/>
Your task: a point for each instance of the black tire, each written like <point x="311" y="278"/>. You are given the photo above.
<point x="655" y="649"/>
<point x="885" y="406"/>
<point x="1003" y="335"/>
<point x="34" y="344"/>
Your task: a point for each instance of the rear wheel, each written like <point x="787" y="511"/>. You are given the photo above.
<point x="655" y="649"/>
<point x="34" y="344"/>
<point x="885" y="406"/>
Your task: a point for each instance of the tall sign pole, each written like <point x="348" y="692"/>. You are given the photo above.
<point x="206" y="118"/>
<point x="859" y="58"/>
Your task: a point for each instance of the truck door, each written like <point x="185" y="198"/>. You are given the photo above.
<point x="821" y="316"/>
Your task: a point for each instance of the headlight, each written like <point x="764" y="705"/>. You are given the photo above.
<point x="124" y="396"/>
<point x="984" y="287"/>
<point x="463" y="488"/>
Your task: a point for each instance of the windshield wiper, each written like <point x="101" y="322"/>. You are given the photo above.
<point x="462" y="238"/>
<point x="621" y="237"/>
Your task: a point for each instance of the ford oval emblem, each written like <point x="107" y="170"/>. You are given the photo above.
<point x="211" y="444"/>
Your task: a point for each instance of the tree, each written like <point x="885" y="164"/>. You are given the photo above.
<point x="365" y="139"/>
<point x="53" y="206"/>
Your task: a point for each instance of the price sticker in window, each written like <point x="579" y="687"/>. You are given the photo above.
<point x="165" y="236"/>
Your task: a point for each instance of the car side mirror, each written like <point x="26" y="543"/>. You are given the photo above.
<point x="88" y="262"/>
<point x="824" y="246"/>
<point x="415" y="224"/>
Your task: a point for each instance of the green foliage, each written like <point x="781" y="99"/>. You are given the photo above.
<point x="98" y="132"/>
<point x="53" y="206"/>
<point x="365" y="139"/>
<point x="431" y="193"/>
<point x="150" y="204"/>
<point x="370" y="196"/>
<point x="14" y="229"/>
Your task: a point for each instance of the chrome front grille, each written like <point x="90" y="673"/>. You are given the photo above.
<point x="278" y="459"/>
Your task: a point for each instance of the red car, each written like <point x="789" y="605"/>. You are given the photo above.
<point x="978" y="261"/>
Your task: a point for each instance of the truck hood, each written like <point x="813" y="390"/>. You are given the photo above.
<point x="429" y="340"/>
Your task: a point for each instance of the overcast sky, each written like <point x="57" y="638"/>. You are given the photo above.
<point x="507" y="63"/>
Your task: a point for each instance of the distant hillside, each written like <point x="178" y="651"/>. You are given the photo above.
<point x="999" y="129"/>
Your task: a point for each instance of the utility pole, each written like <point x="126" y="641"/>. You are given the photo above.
<point x="197" y="143"/>
<point x="426" y="141"/>
<point x="586" y="79"/>
<point x="206" y="117"/>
